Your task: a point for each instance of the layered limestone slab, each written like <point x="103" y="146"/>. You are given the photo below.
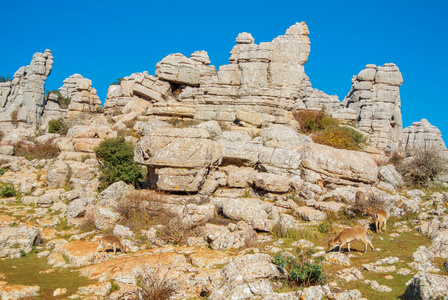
<point x="375" y="99"/>
<point x="178" y="148"/>
<point x="339" y="163"/>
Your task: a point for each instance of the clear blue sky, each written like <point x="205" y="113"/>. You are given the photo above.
<point x="105" y="40"/>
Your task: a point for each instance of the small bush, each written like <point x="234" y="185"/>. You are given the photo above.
<point x="14" y="118"/>
<point x="117" y="82"/>
<point x="337" y="138"/>
<point x="35" y="150"/>
<point x="5" y="78"/>
<point x="140" y="209"/>
<point x="2" y="171"/>
<point x="7" y="190"/>
<point x="117" y="162"/>
<point x="63" y="102"/>
<point x="366" y="207"/>
<point x="324" y="227"/>
<point x="327" y="130"/>
<point x="88" y="224"/>
<point x="155" y="285"/>
<point x="57" y="126"/>
<point x="309" y="120"/>
<point x="301" y="270"/>
<point x="422" y="166"/>
<point x="175" y="231"/>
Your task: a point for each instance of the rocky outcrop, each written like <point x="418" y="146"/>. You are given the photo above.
<point x="22" y="100"/>
<point x="375" y="98"/>
<point x="179" y="69"/>
<point x="14" y="240"/>
<point x="246" y="277"/>
<point x="262" y="84"/>
<point x="179" y="159"/>
<point x="423" y="135"/>
<point x="426" y="286"/>
<point x="84" y="102"/>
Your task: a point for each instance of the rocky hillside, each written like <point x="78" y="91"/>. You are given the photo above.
<point x="219" y="184"/>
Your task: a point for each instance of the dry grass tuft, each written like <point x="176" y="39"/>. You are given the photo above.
<point x="155" y="285"/>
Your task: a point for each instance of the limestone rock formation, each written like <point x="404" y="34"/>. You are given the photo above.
<point x="262" y="84"/>
<point x="22" y="99"/>
<point x="179" y="69"/>
<point x="84" y="101"/>
<point x="375" y="98"/>
<point x="423" y="135"/>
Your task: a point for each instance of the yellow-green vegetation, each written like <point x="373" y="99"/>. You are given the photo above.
<point x="327" y="130"/>
<point x="27" y="271"/>
<point x="402" y="247"/>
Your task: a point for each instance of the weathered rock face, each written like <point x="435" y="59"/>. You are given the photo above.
<point x="339" y="166"/>
<point x="262" y="84"/>
<point x="12" y="240"/>
<point x="427" y="286"/>
<point x="375" y="98"/>
<point x="246" y="277"/>
<point x="423" y="135"/>
<point x="84" y="101"/>
<point x="182" y="70"/>
<point x="179" y="159"/>
<point x="22" y="100"/>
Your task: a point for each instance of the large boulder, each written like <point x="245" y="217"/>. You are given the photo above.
<point x="178" y="148"/>
<point x="114" y="192"/>
<point x="258" y="214"/>
<point x="14" y="239"/>
<point x="390" y="175"/>
<point x="272" y="182"/>
<point x="232" y="236"/>
<point x="339" y="165"/>
<point x="22" y="100"/>
<point x="245" y="277"/>
<point x="58" y="174"/>
<point x="423" y="135"/>
<point x="425" y="286"/>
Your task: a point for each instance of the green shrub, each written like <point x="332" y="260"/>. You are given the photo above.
<point x="302" y="270"/>
<point x="57" y="126"/>
<point x="355" y="135"/>
<point x="63" y="102"/>
<point x="329" y="122"/>
<point x="324" y="227"/>
<point x="117" y="162"/>
<point x="7" y="190"/>
<point x="2" y="171"/>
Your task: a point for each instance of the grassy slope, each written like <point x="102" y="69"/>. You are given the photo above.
<point x="26" y="270"/>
